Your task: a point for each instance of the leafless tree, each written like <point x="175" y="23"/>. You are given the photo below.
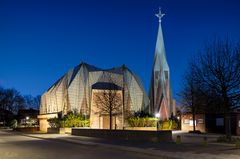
<point x="32" y="102"/>
<point x="218" y="68"/>
<point x="108" y="98"/>
<point x="192" y="98"/>
<point x="10" y="102"/>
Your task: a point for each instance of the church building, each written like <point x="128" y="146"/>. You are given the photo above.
<point x="82" y="90"/>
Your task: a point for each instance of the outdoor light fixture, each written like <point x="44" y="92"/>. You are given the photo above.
<point x="157" y="115"/>
<point x="27" y="117"/>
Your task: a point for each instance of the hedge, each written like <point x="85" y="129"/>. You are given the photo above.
<point x="71" y="120"/>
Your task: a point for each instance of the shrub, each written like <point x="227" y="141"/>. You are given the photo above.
<point x="71" y="120"/>
<point x="77" y="120"/>
<point x="13" y="123"/>
<point x="169" y="125"/>
<point x="136" y="121"/>
<point x="54" y="122"/>
<point x="238" y="143"/>
<point x="226" y="139"/>
<point x="142" y="121"/>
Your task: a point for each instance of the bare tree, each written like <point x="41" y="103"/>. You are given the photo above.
<point x="108" y="98"/>
<point x="191" y="96"/>
<point x="10" y="102"/>
<point x="32" y="102"/>
<point x="218" y="68"/>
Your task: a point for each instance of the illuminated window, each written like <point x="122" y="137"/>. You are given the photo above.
<point x="191" y="122"/>
<point x="200" y="121"/>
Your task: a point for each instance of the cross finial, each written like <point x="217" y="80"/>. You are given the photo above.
<point x="160" y="15"/>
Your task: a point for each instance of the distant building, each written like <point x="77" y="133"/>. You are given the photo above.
<point x="76" y="91"/>
<point x="28" y="117"/>
<point x="160" y="94"/>
<point x="210" y="122"/>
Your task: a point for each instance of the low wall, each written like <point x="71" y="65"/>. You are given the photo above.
<point x="65" y="131"/>
<point x="44" y="125"/>
<point x="27" y="129"/>
<point x="141" y="128"/>
<point x="133" y="135"/>
<point x="53" y="130"/>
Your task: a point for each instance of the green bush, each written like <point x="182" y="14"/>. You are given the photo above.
<point x="136" y="121"/>
<point x="77" y="120"/>
<point x="238" y="143"/>
<point x="225" y="139"/>
<point x="54" y="122"/>
<point x="71" y="120"/>
<point x="142" y="122"/>
<point x="169" y="125"/>
<point x="13" y="123"/>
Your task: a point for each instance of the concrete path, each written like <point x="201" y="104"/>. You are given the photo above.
<point x="19" y="146"/>
<point x="191" y="148"/>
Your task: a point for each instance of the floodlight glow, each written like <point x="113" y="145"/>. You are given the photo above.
<point x="157" y="115"/>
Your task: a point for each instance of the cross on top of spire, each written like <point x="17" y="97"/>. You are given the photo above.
<point x="160" y="15"/>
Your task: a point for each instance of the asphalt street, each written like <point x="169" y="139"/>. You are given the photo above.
<point x="14" y="145"/>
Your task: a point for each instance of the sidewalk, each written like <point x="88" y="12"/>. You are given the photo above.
<point x="169" y="150"/>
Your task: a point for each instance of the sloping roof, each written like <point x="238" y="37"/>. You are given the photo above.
<point x="72" y="91"/>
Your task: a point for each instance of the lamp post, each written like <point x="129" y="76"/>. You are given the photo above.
<point x="179" y="122"/>
<point x="27" y="118"/>
<point x="157" y="115"/>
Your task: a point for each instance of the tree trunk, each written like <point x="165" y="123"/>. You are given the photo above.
<point x="228" y="125"/>
<point x="227" y="114"/>
<point x="194" y="126"/>
<point x="110" y="118"/>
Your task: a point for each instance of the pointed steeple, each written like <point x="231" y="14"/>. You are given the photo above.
<point x="159" y="94"/>
<point x="160" y="54"/>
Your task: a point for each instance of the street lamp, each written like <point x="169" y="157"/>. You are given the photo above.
<point x="27" y="118"/>
<point x="157" y="115"/>
<point x="179" y="122"/>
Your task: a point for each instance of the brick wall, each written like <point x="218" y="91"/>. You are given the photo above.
<point x="187" y="122"/>
<point x="150" y="136"/>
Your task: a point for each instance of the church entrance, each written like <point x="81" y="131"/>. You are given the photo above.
<point x="106" y="122"/>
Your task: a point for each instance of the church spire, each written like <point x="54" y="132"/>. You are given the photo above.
<point x="159" y="94"/>
<point x="160" y="54"/>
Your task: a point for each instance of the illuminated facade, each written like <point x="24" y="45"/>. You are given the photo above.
<point x="74" y="92"/>
<point x="160" y="94"/>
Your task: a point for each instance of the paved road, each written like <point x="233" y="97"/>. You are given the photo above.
<point x="13" y="145"/>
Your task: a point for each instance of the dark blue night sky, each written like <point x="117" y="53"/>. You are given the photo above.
<point x="41" y="40"/>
